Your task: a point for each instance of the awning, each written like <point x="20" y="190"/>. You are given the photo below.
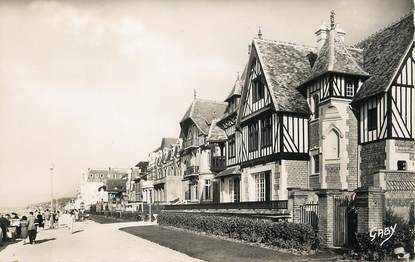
<point x="230" y="171"/>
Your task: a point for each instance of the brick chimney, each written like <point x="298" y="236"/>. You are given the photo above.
<point x="322" y="34"/>
<point x="340" y="32"/>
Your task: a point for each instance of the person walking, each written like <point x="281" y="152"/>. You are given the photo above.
<point x="31" y="228"/>
<point x="4" y="224"/>
<point x="52" y="220"/>
<point x="24" y="229"/>
<point x="47" y="216"/>
<point x="71" y="221"/>
<point x="39" y="218"/>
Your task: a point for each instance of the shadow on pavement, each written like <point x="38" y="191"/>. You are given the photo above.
<point x="3" y="245"/>
<point x="77" y="231"/>
<point x="44" y="240"/>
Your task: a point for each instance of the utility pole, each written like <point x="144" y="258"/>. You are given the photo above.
<point x="51" y="168"/>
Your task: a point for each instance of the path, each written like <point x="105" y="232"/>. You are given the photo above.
<point x="91" y="242"/>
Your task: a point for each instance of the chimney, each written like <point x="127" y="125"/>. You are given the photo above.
<point x="322" y="34"/>
<point x="340" y="32"/>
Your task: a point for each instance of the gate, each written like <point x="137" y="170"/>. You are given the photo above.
<point x="345" y="221"/>
<point x="309" y="214"/>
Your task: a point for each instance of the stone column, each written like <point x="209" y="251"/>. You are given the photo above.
<point x="370" y="204"/>
<point x="326" y="215"/>
<point x="296" y="198"/>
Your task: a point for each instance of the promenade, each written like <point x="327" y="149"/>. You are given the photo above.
<point x="91" y="242"/>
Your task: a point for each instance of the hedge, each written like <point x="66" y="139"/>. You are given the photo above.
<point x="285" y="235"/>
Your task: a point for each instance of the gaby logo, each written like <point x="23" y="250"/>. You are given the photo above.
<point x="385" y="233"/>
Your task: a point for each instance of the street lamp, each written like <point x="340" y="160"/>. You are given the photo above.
<point x="51" y="168"/>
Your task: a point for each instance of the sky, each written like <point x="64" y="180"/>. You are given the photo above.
<point x="99" y="83"/>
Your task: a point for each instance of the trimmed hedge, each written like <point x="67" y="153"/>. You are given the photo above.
<point x="278" y="234"/>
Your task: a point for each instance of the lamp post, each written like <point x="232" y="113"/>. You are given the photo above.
<point x="51" y="168"/>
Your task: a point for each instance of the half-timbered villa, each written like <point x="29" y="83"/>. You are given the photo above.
<point x="328" y="116"/>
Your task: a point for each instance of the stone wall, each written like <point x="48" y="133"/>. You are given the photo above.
<point x="314" y="181"/>
<point x="297" y="173"/>
<point x="352" y="149"/>
<point x="333" y="176"/>
<point x="372" y="156"/>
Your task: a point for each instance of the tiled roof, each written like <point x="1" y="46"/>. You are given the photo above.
<point x="382" y="53"/>
<point x="285" y="66"/>
<point x="216" y="133"/>
<point x="237" y="87"/>
<point x="334" y="56"/>
<point x="116" y="185"/>
<point x="202" y="112"/>
<point x="166" y="142"/>
<point x="400" y="185"/>
<point x="230" y="171"/>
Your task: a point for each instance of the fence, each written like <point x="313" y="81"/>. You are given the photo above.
<point x="309" y="214"/>
<point x="277" y="204"/>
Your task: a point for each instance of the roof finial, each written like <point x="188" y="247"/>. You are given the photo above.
<point x="249" y="49"/>
<point x="332" y="24"/>
<point x="194" y="94"/>
<point x="259" y="32"/>
<point x="237" y="75"/>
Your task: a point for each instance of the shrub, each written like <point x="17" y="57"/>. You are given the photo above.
<point x="372" y="250"/>
<point x="279" y="234"/>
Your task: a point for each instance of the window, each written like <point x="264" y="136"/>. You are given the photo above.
<point x="208" y="185"/>
<point x="260" y="187"/>
<point x="257" y="89"/>
<point x="402" y="165"/>
<point x="316" y="109"/>
<point x="350" y="84"/>
<point x="333" y="141"/>
<point x="316" y="159"/>
<point x="231" y="147"/>
<point x="266" y="132"/>
<point x="372" y="120"/>
<point x="253" y="137"/>
<point x="234" y="190"/>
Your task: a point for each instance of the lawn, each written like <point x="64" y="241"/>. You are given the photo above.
<point x="214" y="249"/>
<point x="108" y="220"/>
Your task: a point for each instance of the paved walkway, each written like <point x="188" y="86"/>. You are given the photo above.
<point x="91" y="242"/>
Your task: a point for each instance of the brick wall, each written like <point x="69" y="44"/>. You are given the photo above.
<point x="314" y="181"/>
<point x="276" y="184"/>
<point x="352" y="147"/>
<point x="400" y="192"/>
<point x="333" y="176"/>
<point x="313" y="134"/>
<point x="370" y="203"/>
<point x="372" y="156"/>
<point x="297" y="172"/>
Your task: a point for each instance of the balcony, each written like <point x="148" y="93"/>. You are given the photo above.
<point x="218" y="163"/>
<point x="193" y="142"/>
<point x="191" y="171"/>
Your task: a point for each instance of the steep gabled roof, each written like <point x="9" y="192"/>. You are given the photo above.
<point x="285" y="67"/>
<point x="237" y="87"/>
<point x="202" y="112"/>
<point x="383" y="52"/>
<point x="334" y="56"/>
<point x="166" y="142"/>
<point x="216" y="133"/>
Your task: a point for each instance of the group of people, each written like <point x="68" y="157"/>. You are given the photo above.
<point x="11" y="226"/>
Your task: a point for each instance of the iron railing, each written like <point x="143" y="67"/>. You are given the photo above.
<point x="276" y="204"/>
<point x="191" y="170"/>
<point x="194" y="142"/>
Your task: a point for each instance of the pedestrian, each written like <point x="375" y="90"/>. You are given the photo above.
<point x="4" y="224"/>
<point x="52" y="220"/>
<point x="31" y="228"/>
<point x="24" y="229"/>
<point x="39" y="219"/>
<point x="47" y="216"/>
<point x="71" y="221"/>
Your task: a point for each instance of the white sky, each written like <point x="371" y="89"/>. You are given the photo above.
<point x="98" y="83"/>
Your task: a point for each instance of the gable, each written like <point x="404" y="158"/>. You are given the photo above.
<point x="252" y="101"/>
<point x="383" y="53"/>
